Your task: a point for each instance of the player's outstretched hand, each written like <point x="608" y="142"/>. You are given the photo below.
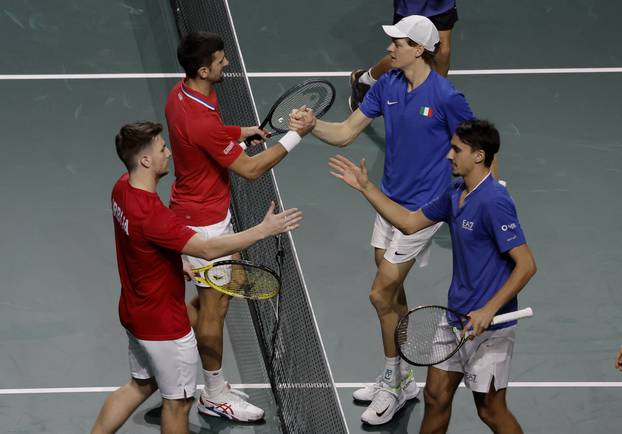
<point x="252" y="131"/>
<point x="353" y="175"/>
<point x="302" y="120"/>
<point x="618" y="363"/>
<point x="274" y="224"/>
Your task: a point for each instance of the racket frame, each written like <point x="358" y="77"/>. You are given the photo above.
<point x="286" y="94"/>
<point x="243" y="263"/>
<point x="498" y="319"/>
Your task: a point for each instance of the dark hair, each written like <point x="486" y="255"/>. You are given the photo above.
<point x="427" y="56"/>
<point x="133" y="138"/>
<point x="196" y="50"/>
<point x="480" y="134"/>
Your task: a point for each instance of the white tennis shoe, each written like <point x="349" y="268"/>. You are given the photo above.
<point x="231" y="404"/>
<point x="387" y="401"/>
<point x="408" y="385"/>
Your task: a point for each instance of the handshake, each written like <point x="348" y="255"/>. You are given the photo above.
<point x="302" y="120"/>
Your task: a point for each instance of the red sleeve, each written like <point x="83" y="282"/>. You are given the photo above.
<point x="234" y="131"/>
<point x="164" y="228"/>
<point x="212" y="136"/>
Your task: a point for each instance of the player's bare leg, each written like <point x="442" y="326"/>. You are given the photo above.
<point x="175" y="415"/>
<point x="210" y="326"/>
<point x="493" y="411"/>
<point x="396" y="384"/>
<point x="121" y="403"/>
<point x="442" y="57"/>
<point x="388" y="299"/>
<point x="438" y="394"/>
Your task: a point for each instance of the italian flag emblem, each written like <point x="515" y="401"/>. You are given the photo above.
<point x="425" y="111"/>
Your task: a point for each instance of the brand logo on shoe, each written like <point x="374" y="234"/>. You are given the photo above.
<point x="380" y="413"/>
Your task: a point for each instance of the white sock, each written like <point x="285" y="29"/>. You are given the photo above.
<point x="391" y="374"/>
<point x="214" y="382"/>
<point x="367" y="79"/>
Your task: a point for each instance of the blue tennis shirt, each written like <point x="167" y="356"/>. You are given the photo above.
<point x="418" y="127"/>
<point x="427" y="8"/>
<point x="482" y="232"/>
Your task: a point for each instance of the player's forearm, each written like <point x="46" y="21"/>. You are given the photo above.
<point x="265" y="161"/>
<point x="217" y="247"/>
<point x="524" y="270"/>
<point x="393" y="212"/>
<point x="333" y="133"/>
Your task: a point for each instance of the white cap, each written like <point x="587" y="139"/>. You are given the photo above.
<point x="417" y="28"/>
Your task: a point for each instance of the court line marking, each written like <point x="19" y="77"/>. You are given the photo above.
<point x="107" y="76"/>
<point x="515" y="384"/>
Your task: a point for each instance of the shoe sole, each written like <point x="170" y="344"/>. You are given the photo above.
<point x="214" y="413"/>
<point x="407" y="396"/>
<point x="382" y="421"/>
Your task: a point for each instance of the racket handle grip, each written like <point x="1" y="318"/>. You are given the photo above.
<point x="249" y="139"/>
<point x="511" y="316"/>
<point x="243" y="146"/>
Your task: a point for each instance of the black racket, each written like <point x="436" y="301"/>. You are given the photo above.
<point x="318" y="95"/>
<point x="428" y="335"/>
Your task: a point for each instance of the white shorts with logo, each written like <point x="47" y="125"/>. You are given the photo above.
<point x="486" y="357"/>
<point x="172" y="363"/>
<point x="402" y="248"/>
<point x="221" y="228"/>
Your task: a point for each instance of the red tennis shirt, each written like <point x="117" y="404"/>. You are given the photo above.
<point x="203" y="148"/>
<point x="149" y="238"/>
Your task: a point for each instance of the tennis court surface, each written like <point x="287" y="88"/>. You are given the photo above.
<point x="546" y="74"/>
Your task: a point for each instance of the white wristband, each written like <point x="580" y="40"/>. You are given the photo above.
<point x="290" y="140"/>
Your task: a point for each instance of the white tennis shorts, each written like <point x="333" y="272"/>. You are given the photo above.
<point x="221" y="228"/>
<point x="402" y="248"/>
<point x="482" y="359"/>
<point x="173" y="364"/>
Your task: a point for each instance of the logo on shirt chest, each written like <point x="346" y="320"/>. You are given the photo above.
<point x="425" y="111"/>
<point x="467" y="225"/>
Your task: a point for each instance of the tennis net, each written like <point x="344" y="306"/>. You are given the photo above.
<point x="299" y="374"/>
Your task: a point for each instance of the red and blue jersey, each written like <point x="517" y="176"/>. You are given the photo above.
<point x="483" y="231"/>
<point x="418" y="128"/>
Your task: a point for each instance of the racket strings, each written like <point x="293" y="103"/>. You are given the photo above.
<point x="318" y="96"/>
<point x="424" y="336"/>
<point x="244" y="280"/>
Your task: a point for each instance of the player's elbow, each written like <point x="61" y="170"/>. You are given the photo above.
<point x="529" y="267"/>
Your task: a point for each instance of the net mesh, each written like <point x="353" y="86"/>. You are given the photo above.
<point x="306" y="398"/>
<point x="425" y="337"/>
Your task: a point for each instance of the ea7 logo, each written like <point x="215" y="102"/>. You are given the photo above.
<point x="511" y="227"/>
<point x="467" y="225"/>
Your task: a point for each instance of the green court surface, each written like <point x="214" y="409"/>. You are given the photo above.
<point x="561" y="156"/>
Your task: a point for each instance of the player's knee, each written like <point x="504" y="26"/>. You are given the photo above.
<point x="437" y="400"/>
<point x="379" y="300"/>
<point x="177" y="407"/>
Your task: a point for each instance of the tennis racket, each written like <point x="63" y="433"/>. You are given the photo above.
<point x="242" y="279"/>
<point x="428" y="335"/>
<point x="318" y="95"/>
